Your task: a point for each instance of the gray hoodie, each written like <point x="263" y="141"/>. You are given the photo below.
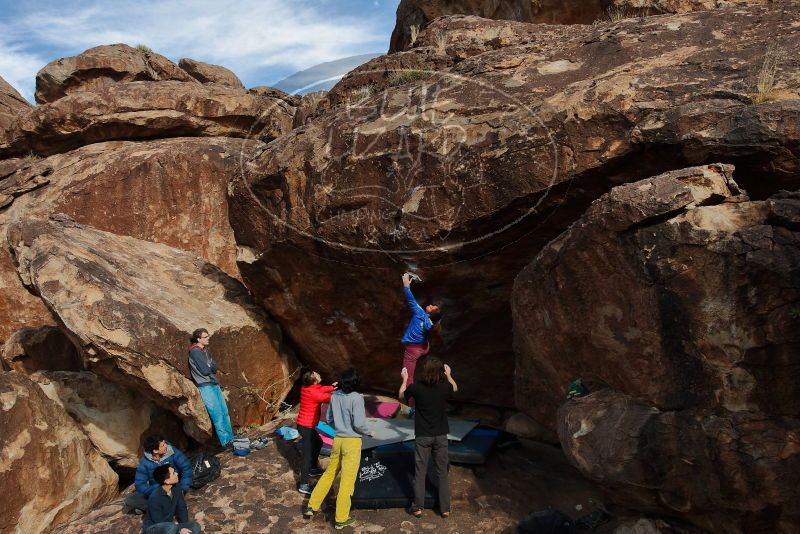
<point x="202" y="366"/>
<point x="346" y="414"/>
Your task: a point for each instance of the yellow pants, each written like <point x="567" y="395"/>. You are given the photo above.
<point x="345" y="456"/>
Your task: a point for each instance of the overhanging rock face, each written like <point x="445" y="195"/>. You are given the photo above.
<point x="462" y="159"/>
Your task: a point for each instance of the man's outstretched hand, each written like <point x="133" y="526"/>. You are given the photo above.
<point x="407" y="280"/>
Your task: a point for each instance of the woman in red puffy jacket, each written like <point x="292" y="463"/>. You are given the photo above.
<point x="312" y="395"/>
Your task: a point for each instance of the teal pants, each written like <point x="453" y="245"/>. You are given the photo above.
<point x="218" y="412"/>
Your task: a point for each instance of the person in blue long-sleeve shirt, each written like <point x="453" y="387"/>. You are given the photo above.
<point x="157" y="452"/>
<point x="165" y="504"/>
<point x="204" y="373"/>
<point x="415" y="338"/>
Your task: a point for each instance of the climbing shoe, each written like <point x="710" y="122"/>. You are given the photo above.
<point x="346" y="523"/>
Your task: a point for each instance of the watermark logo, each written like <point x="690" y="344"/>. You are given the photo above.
<point x="410" y="162"/>
<point x="371" y="472"/>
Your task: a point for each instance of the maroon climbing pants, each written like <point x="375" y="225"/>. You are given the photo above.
<point x="413" y="352"/>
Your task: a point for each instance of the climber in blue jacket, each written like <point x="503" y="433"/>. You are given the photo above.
<point x="423" y="320"/>
<point x="157" y="452"/>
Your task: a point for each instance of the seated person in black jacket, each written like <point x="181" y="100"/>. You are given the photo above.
<point x="165" y="504"/>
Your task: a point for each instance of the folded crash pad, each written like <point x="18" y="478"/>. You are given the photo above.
<point x="473" y="449"/>
<point x="459" y="428"/>
<point x="388" y="482"/>
<point x="325" y="429"/>
<point x="387" y="431"/>
<point x="382" y="410"/>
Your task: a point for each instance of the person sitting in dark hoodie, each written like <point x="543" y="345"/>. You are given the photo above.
<point x="165" y="504"/>
<point x="157" y="452"/>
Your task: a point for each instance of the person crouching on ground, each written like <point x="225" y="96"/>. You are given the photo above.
<point x="415" y="339"/>
<point x="204" y="373"/>
<point x="312" y="395"/>
<point x="346" y="413"/>
<point x="435" y="385"/>
<point x="167" y="503"/>
<point x="157" y="453"/>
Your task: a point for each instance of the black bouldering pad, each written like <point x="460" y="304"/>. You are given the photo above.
<point x="388" y="482"/>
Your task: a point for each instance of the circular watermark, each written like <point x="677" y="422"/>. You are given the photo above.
<point x="411" y="161"/>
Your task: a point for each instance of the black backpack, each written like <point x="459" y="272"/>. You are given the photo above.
<point x="546" y="522"/>
<point x="205" y="468"/>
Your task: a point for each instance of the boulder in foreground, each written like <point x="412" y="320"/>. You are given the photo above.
<point x="51" y="473"/>
<point x="130" y="306"/>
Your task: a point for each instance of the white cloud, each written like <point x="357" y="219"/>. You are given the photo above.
<point x="16" y="67"/>
<point x="245" y="36"/>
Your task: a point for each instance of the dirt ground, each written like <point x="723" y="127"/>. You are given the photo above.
<point x="257" y="493"/>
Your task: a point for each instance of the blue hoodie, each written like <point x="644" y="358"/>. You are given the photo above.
<point x="417" y="331"/>
<point x="144" y="481"/>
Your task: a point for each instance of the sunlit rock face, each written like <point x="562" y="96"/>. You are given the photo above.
<point x="415" y="15"/>
<point x="130" y="306"/>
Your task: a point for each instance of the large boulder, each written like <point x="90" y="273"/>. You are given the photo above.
<point x="130" y="305"/>
<point x="688" y="292"/>
<point x="102" y="66"/>
<point x="590" y="271"/>
<point x="171" y="191"/>
<point x="208" y="73"/>
<point x="19" y="309"/>
<point x="414" y="15"/>
<point x="51" y="473"/>
<point x="147" y="110"/>
<point x="675" y="297"/>
<point x="734" y="472"/>
<point x="465" y="173"/>
<point x="11" y="106"/>
<point x="116" y="420"/>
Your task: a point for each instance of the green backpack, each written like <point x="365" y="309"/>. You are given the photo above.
<point x="576" y="389"/>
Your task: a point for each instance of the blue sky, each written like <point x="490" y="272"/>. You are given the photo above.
<point x="262" y="41"/>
